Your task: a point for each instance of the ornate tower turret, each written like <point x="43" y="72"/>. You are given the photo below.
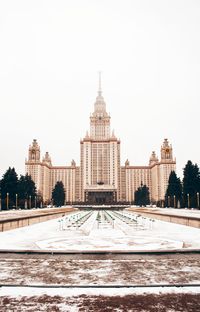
<point x="127" y="163"/>
<point x="73" y="163"/>
<point x="47" y="159"/>
<point x="34" y="152"/>
<point x="153" y="159"/>
<point x="166" y="151"/>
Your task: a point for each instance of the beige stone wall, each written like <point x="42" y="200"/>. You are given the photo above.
<point x="67" y="176"/>
<point x="184" y="220"/>
<point x="123" y="184"/>
<point x="134" y="177"/>
<point x="45" y="178"/>
<point x="100" y="162"/>
<point x="165" y="169"/>
<point x="77" y="184"/>
<point x="6" y="225"/>
<point x="155" y="179"/>
<point x="34" y="169"/>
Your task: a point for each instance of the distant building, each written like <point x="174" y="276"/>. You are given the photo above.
<point x="100" y="178"/>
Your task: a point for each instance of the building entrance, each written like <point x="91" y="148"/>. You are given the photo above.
<point x="100" y="198"/>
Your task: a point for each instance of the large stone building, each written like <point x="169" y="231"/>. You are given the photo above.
<point x="100" y="178"/>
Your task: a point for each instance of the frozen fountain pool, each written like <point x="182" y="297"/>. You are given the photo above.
<point x="97" y="230"/>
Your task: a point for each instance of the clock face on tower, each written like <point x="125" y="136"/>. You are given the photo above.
<point x="167" y="150"/>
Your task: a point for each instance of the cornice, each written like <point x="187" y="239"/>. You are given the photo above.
<point x="100" y="141"/>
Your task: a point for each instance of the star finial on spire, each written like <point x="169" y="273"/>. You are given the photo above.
<point x="99" y="91"/>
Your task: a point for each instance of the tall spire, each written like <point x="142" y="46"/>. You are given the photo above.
<point x="99" y="120"/>
<point x="100" y="105"/>
<point x="99" y="91"/>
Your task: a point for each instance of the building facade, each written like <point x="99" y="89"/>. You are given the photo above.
<point x="100" y="178"/>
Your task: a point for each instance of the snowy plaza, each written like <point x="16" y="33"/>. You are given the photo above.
<point x="95" y="230"/>
<point x="67" y="270"/>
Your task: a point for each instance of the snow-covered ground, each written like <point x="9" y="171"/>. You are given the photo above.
<point x="72" y="292"/>
<point x="171" y="211"/>
<point x="174" y="269"/>
<point x="101" y="300"/>
<point x="101" y="231"/>
<point x="15" y="213"/>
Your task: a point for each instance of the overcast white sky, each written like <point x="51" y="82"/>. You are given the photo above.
<point x="50" y="55"/>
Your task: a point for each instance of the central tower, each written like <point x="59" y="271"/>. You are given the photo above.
<point x="100" y="158"/>
<point x="100" y="120"/>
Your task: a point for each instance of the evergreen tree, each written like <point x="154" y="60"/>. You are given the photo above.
<point x="142" y="196"/>
<point x="26" y="189"/>
<point x="173" y="196"/>
<point x="9" y="184"/>
<point x="58" y="194"/>
<point x="191" y="184"/>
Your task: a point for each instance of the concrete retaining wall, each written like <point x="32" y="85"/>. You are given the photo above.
<point x="184" y="220"/>
<point x="10" y="224"/>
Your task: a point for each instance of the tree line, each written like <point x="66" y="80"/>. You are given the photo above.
<point x="142" y="197"/>
<point x="17" y="192"/>
<point x="184" y="193"/>
<point x="21" y="192"/>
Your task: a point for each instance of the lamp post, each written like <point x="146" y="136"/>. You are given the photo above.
<point x="16" y="197"/>
<point x="174" y="201"/>
<point x="7" y="201"/>
<point x="35" y="201"/>
<point x="198" y="200"/>
<point x="168" y="201"/>
<point x="188" y="199"/>
<point x="30" y="202"/>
